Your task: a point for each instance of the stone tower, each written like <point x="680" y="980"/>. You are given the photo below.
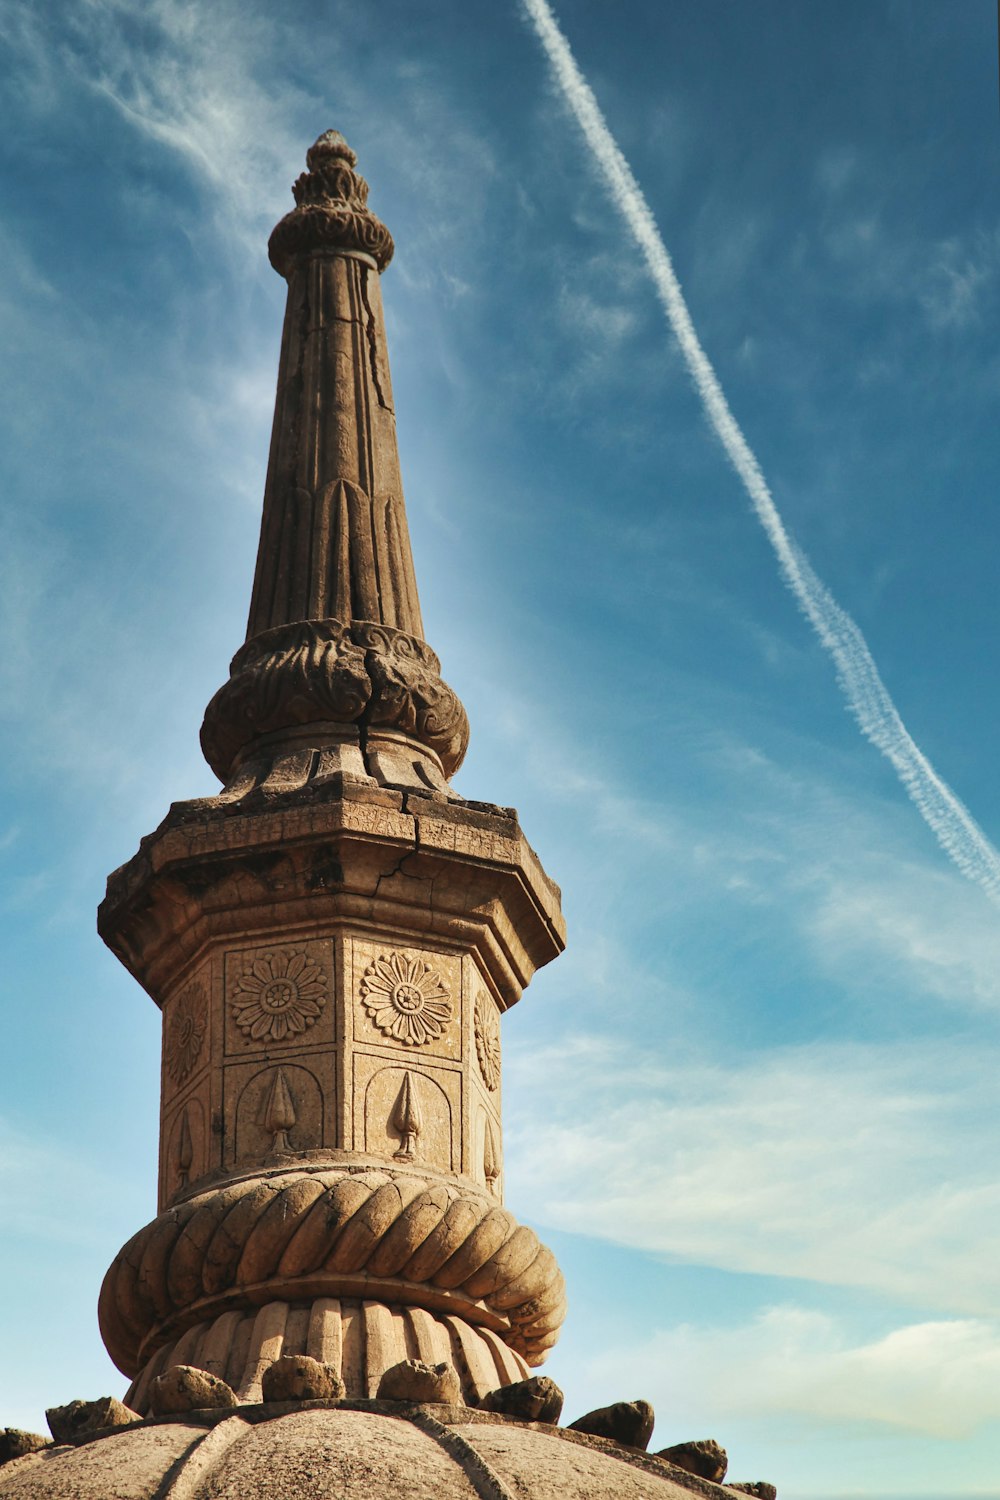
<point x="334" y="938"/>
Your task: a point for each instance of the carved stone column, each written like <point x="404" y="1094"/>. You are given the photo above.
<point x="334" y="938"/>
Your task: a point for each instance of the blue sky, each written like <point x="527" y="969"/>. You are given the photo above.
<point x="754" y="1107"/>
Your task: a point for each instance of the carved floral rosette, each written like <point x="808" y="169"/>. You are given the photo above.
<point x="487" y="1029"/>
<point x="406" y="999"/>
<point x="186" y="1035"/>
<point x="325" y="671"/>
<point x="331" y="211"/>
<point x="332" y="1232"/>
<point x="278" y="996"/>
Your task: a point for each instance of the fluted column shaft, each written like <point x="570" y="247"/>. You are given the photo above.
<point x="334" y="539"/>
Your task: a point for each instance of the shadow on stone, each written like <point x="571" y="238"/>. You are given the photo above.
<point x="536" y="1400"/>
<point x="80" y="1417"/>
<point x="15" y="1444"/>
<point x="412" y="1380"/>
<point x="627" y="1422"/>
<point x="186" y="1388"/>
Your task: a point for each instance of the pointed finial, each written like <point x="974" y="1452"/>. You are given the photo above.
<point x="279" y="1113"/>
<point x="491" y="1158"/>
<point x="185" y="1150"/>
<point x="331" y="143"/>
<point x="407" y="1119"/>
<point x="334" y="658"/>
<point x="331" y="210"/>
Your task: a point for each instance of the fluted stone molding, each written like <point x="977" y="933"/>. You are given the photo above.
<point x="303" y="1236"/>
<point x="335" y="633"/>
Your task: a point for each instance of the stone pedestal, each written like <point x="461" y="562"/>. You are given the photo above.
<point x="332" y="964"/>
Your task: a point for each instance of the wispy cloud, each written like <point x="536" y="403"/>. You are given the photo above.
<point x="940" y="1378"/>
<point x="876" y="714"/>
<point x="189" y="79"/>
<point x="838" y="1163"/>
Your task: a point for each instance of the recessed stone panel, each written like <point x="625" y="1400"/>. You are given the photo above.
<point x="407" y="1111"/>
<point x="406" y="998"/>
<point x="185" y="1144"/>
<point x="187" y="1034"/>
<point x="278" y="1104"/>
<point x="278" y="997"/>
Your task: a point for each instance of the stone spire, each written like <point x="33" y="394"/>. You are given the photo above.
<point x="334" y="938"/>
<point x="334" y="645"/>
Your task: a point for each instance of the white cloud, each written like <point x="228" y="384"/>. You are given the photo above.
<point x="939" y="1378"/>
<point x="910" y="919"/>
<point x="956" y="279"/>
<point x="190" y="84"/>
<point x="836" y="1162"/>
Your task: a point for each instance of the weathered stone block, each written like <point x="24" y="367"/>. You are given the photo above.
<point x="536" y="1400"/>
<point x="412" y="1380"/>
<point x="628" y="1422"/>
<point x="185" y="1388"/>
<point x="297" y="1377"/>
<point x="78" y="1418"/>
<point x="704" y="1458"/>
<point x="14" y="1443"/>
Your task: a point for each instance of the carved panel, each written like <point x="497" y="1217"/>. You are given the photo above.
<point x="487" y="1030"/>
<point x="185" y="1157"/>
<point x="278" y="996"/>
<point x="186" y="1033"/>
<point x="487" y="1156"/>
<point x="279" y="1109"/>
<point x="406" y="998"/>
<point x="408" y="1116"/>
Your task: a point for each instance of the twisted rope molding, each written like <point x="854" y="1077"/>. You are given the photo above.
<point x="335" y="1232"/>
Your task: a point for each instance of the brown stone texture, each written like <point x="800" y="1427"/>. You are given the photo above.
<point x="536" y="1400"/>
<point x="704" y="1457"/>
<point x="759" y="1488"/>
<point x="201" y="917"/>
<point x="183" y="1388"/>
<point x="536" y="1464"/>
<point x="347" y="1085"/>
<point x="360" y="1339"/>
<point x="334" y="635"/>
<point x="332" y="939"/>
<point x="15" y="1443"/>
<point x="382" y="1449"/>
<point x="80" y="1417"/>
<point x="129" y="1465"/>
<point x="629" y="1422"/>
<point x="414" y="1380"/>
<point x="313" y="1455"/>
<point x="299" y="1377"/>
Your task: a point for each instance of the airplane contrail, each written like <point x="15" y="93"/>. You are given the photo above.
<point x="955" y="829"/>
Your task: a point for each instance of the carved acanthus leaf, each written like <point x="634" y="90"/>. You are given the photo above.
<point x="322" y="671"/>
<point x="331" y="210"/>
